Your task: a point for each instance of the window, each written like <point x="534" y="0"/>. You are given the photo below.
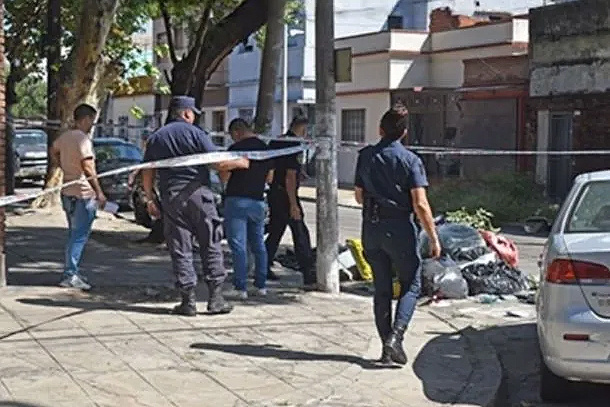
<point x="202" y="122"/>
<point x="352" y="125"/>
<point x="179" y="38"/>
<point x="123" y="123"/>
<point x="246" y="114"/>
<point x="592" y="212"/>
<point x="394" y="22"/>
<point x="161" y="40"/>
<point x="218" y="121"/>
<point x="343" y="65"/>
<point x="246" y="47"/>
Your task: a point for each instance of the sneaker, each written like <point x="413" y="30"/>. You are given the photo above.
<point x="242" y="295"/>
<point x="75" y="281"/>
<point x="261" y="292"/>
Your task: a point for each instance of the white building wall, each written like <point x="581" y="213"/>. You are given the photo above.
<point x="375" y="105"/>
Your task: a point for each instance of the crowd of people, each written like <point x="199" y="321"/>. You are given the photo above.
<point x="390" y="184"/>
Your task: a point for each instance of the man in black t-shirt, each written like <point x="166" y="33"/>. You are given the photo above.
<point x="245" y="210"/>
<point x="285" y="205"/>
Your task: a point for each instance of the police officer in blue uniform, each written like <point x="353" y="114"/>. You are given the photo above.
<point x="390" y="184"/>
<point x="188" y="205"/>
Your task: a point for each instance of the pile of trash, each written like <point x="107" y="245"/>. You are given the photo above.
<point x="473" y="262"/>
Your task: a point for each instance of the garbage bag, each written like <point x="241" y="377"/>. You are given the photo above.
<point x="494" y="278"/>
<point x="443" y="278"/>
<point x="460" y="242"/>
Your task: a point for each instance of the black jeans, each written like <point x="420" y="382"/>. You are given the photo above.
<point x="390" y="246"/>
<point x="279" y="208"/>
<point x="192" y="213"/>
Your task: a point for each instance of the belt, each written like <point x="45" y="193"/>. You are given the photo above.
<point x="375" y="212"/>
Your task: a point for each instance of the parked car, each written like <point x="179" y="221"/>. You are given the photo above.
<point x="573" y="303"/>
<point x="138" y="198"/>
<point x="31" y="157"/>
<point x="112" y="153"/>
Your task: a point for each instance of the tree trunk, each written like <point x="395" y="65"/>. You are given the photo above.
<point x="52" y="46"/>
<point x="272" y="51"/>
<point x="83" y="72"/>
<point x="219" y="41"/>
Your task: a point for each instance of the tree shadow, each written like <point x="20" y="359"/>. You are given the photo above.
<point x="271" y="351"/>
<point x="519" y="355"/>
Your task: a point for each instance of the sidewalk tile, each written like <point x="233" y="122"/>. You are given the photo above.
<point x="52" y="389"/>
<point x="124" y="389"/>
<point x="142" y="353"/>
<point x="188" y="387"/>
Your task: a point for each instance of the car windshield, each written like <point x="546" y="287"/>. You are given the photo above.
<point x="30" y="138"/>
<point x="592" y="211"/>
<point x="128" y="152"/>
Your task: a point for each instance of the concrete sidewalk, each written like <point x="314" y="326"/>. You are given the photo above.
<point x="119" y="346"/>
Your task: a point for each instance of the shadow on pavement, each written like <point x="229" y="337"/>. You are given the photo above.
<point x="278" y="352"/>
<point x="518" y="352"/>
<point x="18" y="404"/>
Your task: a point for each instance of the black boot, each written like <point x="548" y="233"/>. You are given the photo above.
<point x="385" y="358"/>
<point x="188" y="306"/>
<point x="217" y="303"/>
<point x="393" y="345"/>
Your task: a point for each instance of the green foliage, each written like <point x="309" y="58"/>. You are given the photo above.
<point x="480" y="219"/>
<point x="32" y="98"/>
<point x="510" y="197"/>
<point x="294" y="16"/>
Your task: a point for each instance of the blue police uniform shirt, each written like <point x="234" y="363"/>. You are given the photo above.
<point x="387" y="172"/>
<point x="175" y="139"/>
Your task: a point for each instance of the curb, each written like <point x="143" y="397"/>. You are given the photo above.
<point x="310" y="199"/>
<point x="484" y="385"/>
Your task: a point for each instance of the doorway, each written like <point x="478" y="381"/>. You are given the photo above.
<point x="560" y="166"/>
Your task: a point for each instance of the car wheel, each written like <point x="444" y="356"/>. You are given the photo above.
<point x="553" y="388"/>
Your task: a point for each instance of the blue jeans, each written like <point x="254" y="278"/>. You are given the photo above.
<point x="245" y="227"/>
<point x="390" y="246"/>
<point x="80" y="214"/>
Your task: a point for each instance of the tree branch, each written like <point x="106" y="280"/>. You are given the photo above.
<point x="169" y="31"/>
<point x="195" y="51"/>
<point x="220" y="40"/>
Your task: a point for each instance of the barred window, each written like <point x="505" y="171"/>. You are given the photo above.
<point x="218" y="121"/>
<point x="353" y="125"/>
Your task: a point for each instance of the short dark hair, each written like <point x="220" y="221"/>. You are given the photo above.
<point x="239" y="124"/>
<point x="299" y="119"/>
<point x="84" y="110"/>
<point x="394" y="123"/>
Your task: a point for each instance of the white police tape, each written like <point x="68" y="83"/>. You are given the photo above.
<point x="351" y="146"/>
<point x="184" y="161"/>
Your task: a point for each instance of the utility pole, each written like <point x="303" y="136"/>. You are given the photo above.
<point x="326" y="157"/>
<point x="285" y="80"/>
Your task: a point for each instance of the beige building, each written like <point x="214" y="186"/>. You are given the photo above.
<point x="426" y="72"/>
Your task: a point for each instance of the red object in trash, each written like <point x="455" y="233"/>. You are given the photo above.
<point x="506" y="249"/>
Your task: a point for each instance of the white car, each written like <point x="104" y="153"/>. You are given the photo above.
<point x="573" y="303"/>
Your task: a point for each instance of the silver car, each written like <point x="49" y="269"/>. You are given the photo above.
<point x="573" y="303"/>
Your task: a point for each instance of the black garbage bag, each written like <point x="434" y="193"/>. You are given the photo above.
<point x="494" y="278"/>
<point x="460" y="242"/>
<point x="443" y="278"/>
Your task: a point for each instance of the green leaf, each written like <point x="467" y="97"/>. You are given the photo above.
<point x="137" y="112"/>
